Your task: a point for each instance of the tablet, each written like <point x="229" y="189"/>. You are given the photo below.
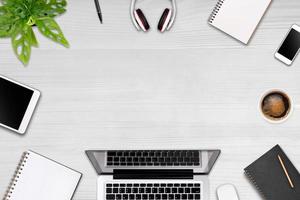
<point x="17" y="103"/>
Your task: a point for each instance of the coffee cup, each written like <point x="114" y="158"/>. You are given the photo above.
<point x="276" y="106"/>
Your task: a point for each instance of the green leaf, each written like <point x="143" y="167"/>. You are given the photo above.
<point x="3" y="11"/>
<point x="18" y="8"/>
<point x="49" y="28"/>
<point x="51" y="8"/>
<point x="4" y="2"/>
<point x="22" y="44"/>
<point x="6" y="27"/>
<point x="58" y="7"/>
<point x="6" y="23"/>
<point x="32" y="38"/>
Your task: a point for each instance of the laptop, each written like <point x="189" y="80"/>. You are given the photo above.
<point x="152" y="174"/>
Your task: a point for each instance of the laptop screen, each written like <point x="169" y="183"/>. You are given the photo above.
<point x="107" y="161"/>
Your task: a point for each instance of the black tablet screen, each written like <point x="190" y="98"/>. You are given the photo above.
<point x="14" y="100"/>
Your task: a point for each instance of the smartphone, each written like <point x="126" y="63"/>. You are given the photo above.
<point x="289" y="48"/>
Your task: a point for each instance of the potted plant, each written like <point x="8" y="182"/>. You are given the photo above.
<point x="19" y="17"/>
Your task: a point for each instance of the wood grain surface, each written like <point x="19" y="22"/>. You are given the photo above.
<point x="192" y="87"/>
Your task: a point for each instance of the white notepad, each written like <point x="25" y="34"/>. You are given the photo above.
<point x="238" y="18"/>
<point x="39" y="178"/>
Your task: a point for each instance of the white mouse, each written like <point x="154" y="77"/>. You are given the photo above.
<point x="227" y="192"/>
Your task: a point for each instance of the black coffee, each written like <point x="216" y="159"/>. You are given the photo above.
<point x="276" y="105"/>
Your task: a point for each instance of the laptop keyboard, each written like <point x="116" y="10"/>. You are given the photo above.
<point x="140" y="191"/>
<point x="153" y="158"/>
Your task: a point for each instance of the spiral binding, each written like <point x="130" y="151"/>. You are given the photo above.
<point x="255" y="184"/>
<point x="216" y="10"/>
<point x="16" y="176"/>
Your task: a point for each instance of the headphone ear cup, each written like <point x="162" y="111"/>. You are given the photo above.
<point x="164" y="20"/>
<point x="141" y="20"/>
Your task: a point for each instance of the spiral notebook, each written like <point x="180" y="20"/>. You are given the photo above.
<point x="39" y="178"/>
<point x="270" y="178"/>
<point x="238" y="18"/>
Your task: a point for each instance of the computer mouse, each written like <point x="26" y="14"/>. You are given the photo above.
<point x="227" y="192"/>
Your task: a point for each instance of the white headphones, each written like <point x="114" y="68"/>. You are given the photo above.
<point x="140" y="21"/>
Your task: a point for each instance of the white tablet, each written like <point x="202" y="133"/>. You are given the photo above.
<point x="17" y="103"/>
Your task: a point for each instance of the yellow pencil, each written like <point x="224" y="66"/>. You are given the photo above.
<point x="285" y="171"/>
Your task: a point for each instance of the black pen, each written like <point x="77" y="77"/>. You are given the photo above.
<point x="98" y="10"/>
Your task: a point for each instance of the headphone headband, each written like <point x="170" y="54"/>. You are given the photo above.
<point x="174" y="12"/>
<point x="132" y="8"/>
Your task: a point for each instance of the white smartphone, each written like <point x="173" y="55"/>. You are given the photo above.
<point x="17" y="103"/>
<point x="289" y="48"/>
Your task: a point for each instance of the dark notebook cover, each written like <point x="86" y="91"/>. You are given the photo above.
<point x="268" y="176"/>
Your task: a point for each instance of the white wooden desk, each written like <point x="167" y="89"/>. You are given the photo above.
<point x="116" y="88"/>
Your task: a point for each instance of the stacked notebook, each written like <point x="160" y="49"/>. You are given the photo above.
<point x="238" y="18"/>
<point x="39" y="178"/>
<point x="275" y="176"/>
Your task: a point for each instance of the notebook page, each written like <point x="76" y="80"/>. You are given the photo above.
<point x="239" y="18"/>
<point x="43" y="179"/>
